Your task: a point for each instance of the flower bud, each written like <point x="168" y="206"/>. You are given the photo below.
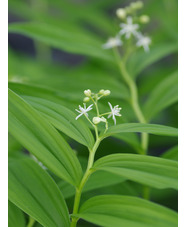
<point x="121" y="13"/>
<point x="87" y="92"/>
<point x="101" y="92"/>
<point x="103" y="119"/>
<point x="106" y="92"/>
<point x="144" y="19"/>
<point x="96" y="120"/>
<point x="139" y="5"/>
<point x="86" y="99"/>
<point x="136" y="5"/>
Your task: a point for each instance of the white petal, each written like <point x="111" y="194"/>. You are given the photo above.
<point x="113" y="117"/>
<point x="79" y="116"/>
<point x="122" y="25"/>
<point x="110" y="106"/>
<point x="78" y="111"/>
<point x="90" y="107"/>
<point x="106" y="46"/>
<point x="109" y="115"/>
<point x="146" y="48"/>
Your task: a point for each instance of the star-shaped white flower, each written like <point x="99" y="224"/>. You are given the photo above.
<point x="129" y="28"/>
<point x="143" y="41"/>
<point x="114" y="112"/>
<point x="112" y="42"/>
<point x="84" y="110"/>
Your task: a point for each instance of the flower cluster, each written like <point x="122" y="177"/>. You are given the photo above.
<point x="130" y="27"/>
<point x="94" y="97"/>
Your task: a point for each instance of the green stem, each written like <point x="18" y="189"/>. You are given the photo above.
<point x="96" y="105"/>
<point x="146" y="192"/>
<point x="95" y="127"/>
<point x="134" y="97"/>
<point x="79" y="189"/>
<point x="136" y="107"/>
<point x="43" y="52"/>
<point x="105" y="114"/>
<point x="31" y="222"/>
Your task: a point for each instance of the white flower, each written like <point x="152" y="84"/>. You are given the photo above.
<point x="112" y="42"/>
<point x="114" y="112"/>
<point x="143" y="41"/>
<point x="129" y="28"/>
<point x="83" y="110"/>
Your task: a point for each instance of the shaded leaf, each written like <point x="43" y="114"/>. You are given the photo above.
<point x="172" y="153"/>
<point x="156" y="53"/>
<point x="15" y="216"/>
<point x="162" y="96"/>
<point x="61" y="38"/>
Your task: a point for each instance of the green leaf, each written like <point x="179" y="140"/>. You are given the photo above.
<point x="41" y="139"/>
<point x="15" y="216"/>
<point x="162" y="96"/>
<point x="59" y="37"/>
<point x="171" y="154"/>
<point x="63" y="119"/>
<point x="34" y="191"/>
<point x="115" y="210"/>
<point x="139" y="127"/>
<point x="151" y="171"/>
<point x="146" y="59"/>
<point x="37" y="91"/>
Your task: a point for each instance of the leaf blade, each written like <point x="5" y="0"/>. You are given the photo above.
<point x="33" y="190"/>
<point x="151" y="171"/>
<point x="40" y="138"/>
<point x="63" y="119"/>
<point x="61" y="38"/>
<point x="140" y="127"/>
<point x="114" y="210"/>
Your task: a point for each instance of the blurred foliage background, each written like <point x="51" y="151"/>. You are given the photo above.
<point x="55" y="52"/>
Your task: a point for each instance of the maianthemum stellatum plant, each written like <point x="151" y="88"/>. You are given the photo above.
<point x="42" y="182"/>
